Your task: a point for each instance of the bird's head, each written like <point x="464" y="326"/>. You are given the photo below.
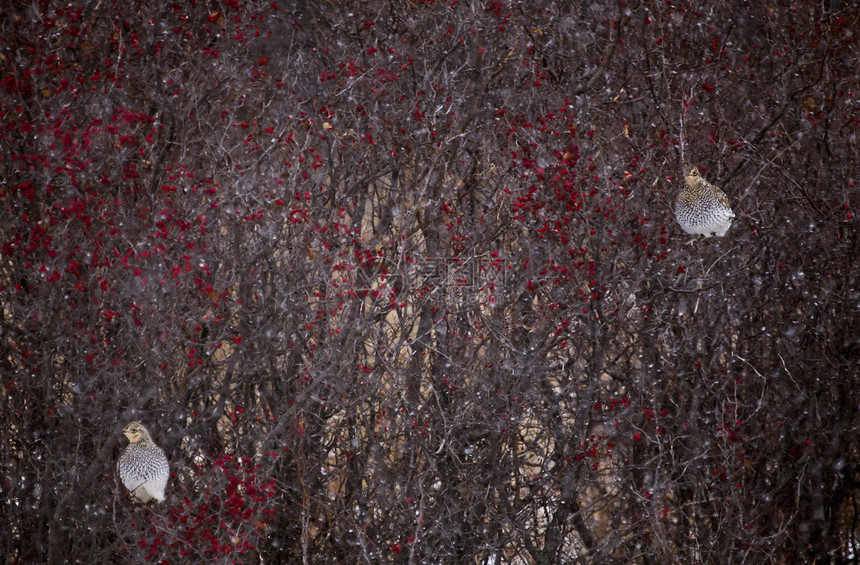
<point x="136" y="433"/>
<point x="691" y="173"/>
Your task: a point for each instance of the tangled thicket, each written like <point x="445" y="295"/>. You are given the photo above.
<point x="400" y="282"/>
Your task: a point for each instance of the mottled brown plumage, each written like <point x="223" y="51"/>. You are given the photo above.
<point x="142" y="467"/>
<point x="702" y="208"/>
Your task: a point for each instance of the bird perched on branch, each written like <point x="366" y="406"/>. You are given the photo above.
<point x="702" y="208"/>
<point x="142" y="467"/>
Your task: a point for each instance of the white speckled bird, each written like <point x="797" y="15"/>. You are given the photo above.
<point x="142" y="467"/>
<point x="702" y="208"/>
